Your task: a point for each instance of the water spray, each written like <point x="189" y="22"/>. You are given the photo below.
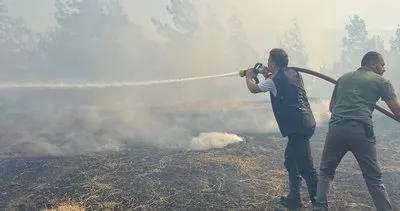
<point x="258" y="68"/>
<point x="63" y="85"/>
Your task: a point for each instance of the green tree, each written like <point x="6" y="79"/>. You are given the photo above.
<point x="355" y="44"/>
<point x="2" y="10"/>
<point x="95" y="40"/>
<point x="377" y="44"/>
<point x="185" y="19"/>
<point x="293" y="44"/>
<point x="183" y="50"/>
<point x="243" y="53"/>
<point x="393" y="63"/>
<point x="395" y="42"/>
<point x="17" y="47"/>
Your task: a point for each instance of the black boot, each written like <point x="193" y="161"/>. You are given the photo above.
<point x="291" y="203"/>
<point x="293" y="200"/>
<point x="319" y="207"/>
<point x="311" y="178"/>
<point x="312" y="191"/>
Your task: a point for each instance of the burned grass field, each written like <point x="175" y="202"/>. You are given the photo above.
<point x="142" y="175"/>
<point x="148" y="178"/>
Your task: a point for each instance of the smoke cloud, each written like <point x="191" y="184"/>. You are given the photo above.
<point x="100" y="42"/>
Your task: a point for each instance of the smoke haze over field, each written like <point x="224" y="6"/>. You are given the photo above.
<point x="109" y="40"/>
<point x="322" y="22"/>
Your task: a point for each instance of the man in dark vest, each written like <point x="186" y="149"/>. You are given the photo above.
<point x="295" y="120"/>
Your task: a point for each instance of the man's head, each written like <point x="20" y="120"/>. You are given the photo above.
<point x="278" y="58"/>
<point x="374" y="61"/>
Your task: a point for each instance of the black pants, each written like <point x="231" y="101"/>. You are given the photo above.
<point x="299" y="164"/>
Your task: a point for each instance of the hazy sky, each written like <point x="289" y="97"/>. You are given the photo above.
<point x="262" y="19"/>
<point x="382" y="15"/>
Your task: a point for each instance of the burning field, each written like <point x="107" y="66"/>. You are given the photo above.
<point x="242" y="170"/>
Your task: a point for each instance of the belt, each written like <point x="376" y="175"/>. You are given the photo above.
<point x="348" y="121"/>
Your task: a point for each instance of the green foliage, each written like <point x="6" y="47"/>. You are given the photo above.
<point x="393" y="62"/>
<point x="91" y="38"/>
<point x="17" y="47"/>
<point x="395" y="42"/>
<point x="185" y="19"/>
<point x="355" y="44"/>
<point x="243" y="52"/>
<point x="293" y="44"/>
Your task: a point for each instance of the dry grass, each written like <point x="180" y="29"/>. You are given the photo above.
<point x="243" y="176"/>
<point x="244" y="164"/>
<point x="269" y="184"/>
<point x="66" y="207"/>
<point x="266" y="186"/>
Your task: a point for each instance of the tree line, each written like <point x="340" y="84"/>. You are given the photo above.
<point x="95" y="40"/>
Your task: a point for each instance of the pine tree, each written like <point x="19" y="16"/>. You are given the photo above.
<point x="395" y="42"/>
<point x="243" y="52"/>
<point x="378" y="45"/>
<point x="292" y="43"/>
<point x="17" y="47"/>
<point x="94" y="40"/>
<point x="355" y="44"/>
<point x="185" y="18"/>
<point x="393" y="62"/>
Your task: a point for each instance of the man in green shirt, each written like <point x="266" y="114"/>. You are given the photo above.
<point x="351" y="129"/>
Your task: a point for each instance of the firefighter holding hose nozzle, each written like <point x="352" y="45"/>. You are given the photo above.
<point x="295" y="119"/>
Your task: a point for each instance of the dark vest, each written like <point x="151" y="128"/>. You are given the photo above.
<point x="291" y="107"/>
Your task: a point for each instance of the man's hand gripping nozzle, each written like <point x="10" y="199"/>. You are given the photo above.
<point x="258" y="68"/>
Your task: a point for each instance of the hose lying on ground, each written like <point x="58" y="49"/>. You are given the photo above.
<point x="327" y="78"/>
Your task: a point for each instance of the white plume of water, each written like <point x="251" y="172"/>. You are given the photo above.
<point x="62" y="85"/>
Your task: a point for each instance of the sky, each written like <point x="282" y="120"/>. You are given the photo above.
<point x="322" y="21"/>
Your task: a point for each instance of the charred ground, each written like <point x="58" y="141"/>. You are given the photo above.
<point x="145" y="176"/>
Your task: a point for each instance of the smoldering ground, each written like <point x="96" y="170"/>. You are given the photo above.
<point x="65" y="129"/>
<point x="247" y="175"/>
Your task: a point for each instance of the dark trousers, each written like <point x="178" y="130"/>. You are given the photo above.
<point x="360" y="140"/>
<point x="299" y="164"/>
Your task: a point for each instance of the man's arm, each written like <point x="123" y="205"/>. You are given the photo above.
<point x="253" y="87"/>
<point x="394" y="106"/>
<point x="264" y="86"/>
<point x="390" y="98"/>
<point x="333" y="98"/>
<point x="331" y="105"/>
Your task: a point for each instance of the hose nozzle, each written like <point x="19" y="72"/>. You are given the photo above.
<point x="258" y="68"/>
<point x="242" y="73"/>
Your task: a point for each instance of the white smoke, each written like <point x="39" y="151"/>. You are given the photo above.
<point x="211" y="140"/>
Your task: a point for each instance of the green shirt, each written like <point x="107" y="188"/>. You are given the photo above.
<point x="356" y="93"/>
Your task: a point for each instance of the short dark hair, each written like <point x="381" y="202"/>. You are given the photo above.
<point x="369" y="57"/>
<point x="279" y="56"/>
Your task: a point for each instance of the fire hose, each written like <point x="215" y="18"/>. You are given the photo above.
<point x="261" y="69"/>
